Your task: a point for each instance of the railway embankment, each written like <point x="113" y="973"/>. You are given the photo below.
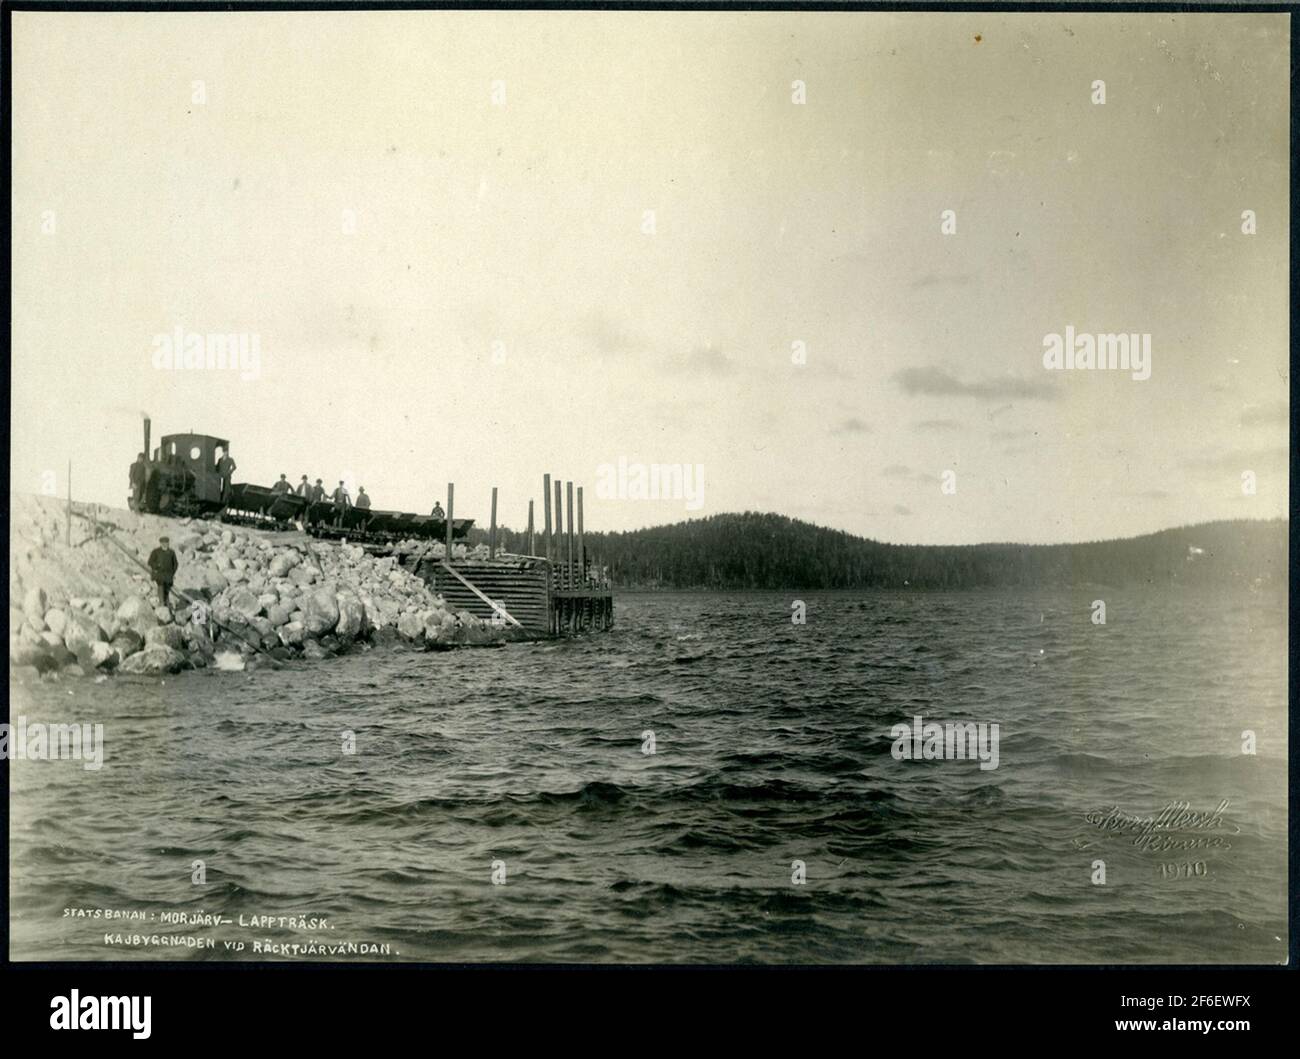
<point x="242" y="597"/>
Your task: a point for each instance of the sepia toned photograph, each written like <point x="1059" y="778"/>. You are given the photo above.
<point x="648" y="487"/>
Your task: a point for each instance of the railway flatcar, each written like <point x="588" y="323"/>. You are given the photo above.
<point x="181" y="479"/>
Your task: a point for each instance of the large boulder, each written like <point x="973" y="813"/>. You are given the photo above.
<point x="102" y="656"/>
<point x="81" y="631"/>
<point x="278" y="614"/>
<point x="302" y="575"/>
<point x="126" y="642"/>
<point x="153" y="661"/>
<point x="34" y="604"/>
<point x="186" y="542"/>
<point x="320" y="610"/>
<point x="199" y="642"/>
<point x="314" y="651"/>
<point x="433" y="625"/>
<point x="165" y="636"/>
<point x="382" y="611"/>
<point x="137" y="615"/>
<point x="56" y="621"/>
<point x="283" y="563"/>
<point x="200" y="580"/>
<point x="410" y="626"/>
<point x="28" y="654"/>
<point x="291" y="634"/>
<point x="243" y="602"/>
<point x="352" y="617"/>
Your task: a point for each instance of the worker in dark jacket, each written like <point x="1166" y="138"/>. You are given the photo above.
<point x="437" y="511"/>
<point x="317" y="492"/>
<point x="225" y="470"/>
<point x="362" y="499"/>
<point x="282" y="486"/>
<point x="139" y="475"/>
<point x="162" y="565"/>
<point x="341" y="502"/>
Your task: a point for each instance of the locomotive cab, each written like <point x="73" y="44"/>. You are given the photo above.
<point x="183" y="478"/>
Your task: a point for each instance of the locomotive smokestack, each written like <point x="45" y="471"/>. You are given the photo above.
<point x="146" y="437"/>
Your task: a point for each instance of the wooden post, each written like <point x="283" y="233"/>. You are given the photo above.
<point x="559" y="533"/>
<point x="546" y="510"/>
<point x="451" y="508"/>
<point x="492" y="532"/>
<point x="568" y="543"/>
<point x="69" y="515"/>
<point x="530" y="528"/>
<point x="582" y="555"/>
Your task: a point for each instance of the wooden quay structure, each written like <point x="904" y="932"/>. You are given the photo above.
<point x="552" y="590"/>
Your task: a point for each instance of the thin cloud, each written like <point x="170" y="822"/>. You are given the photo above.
<point x="607" y="337"/>
<point x="1266" y="415"/>
<point x="853" y="425"/>
<point x="1237" y="460"/>
<point x="705" y="360"/>
<point x="935" y="382"/>
<point x="933" y="280"/>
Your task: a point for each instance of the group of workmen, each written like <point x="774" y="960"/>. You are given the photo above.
<point x="340" y="498"/>
<point x="315" y="494"/>
<point x="225" y="468"/>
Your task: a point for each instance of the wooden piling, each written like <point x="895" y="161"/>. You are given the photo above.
<point x="69" y="514"/>
<point x="529" y="549"/>
<point x="451" y="509"/>
<point x="492" y="531"/>
<point x="559" y="533"/>
<point x="546" y="508"/>
<point x="568" y="541"/>
<point x="582" y="555"/>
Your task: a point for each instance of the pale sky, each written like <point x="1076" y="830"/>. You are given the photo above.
<point x="144" y="202"/>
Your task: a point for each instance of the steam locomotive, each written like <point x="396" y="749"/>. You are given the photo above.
<point x="181" y="480"/>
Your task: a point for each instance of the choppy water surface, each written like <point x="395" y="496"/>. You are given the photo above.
<point x="772" y="746"/>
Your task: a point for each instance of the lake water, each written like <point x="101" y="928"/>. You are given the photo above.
<point x="772" y="749"/>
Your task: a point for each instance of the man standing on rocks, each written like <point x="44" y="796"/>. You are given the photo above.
<point x="139" y="473"/>
<point x="162" y="565"/>
<point x="341" y="501"/>
<point x="226" y="470"/>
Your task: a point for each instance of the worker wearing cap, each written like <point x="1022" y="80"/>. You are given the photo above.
<point x="139" y="475"/>
<point x="341" y="503"/>
<point x="162" y="565"/>
<point x="225" y="471"/>
<point x="282" y="486"/>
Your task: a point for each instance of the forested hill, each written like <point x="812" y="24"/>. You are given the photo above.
<point x="771" y="551"/>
